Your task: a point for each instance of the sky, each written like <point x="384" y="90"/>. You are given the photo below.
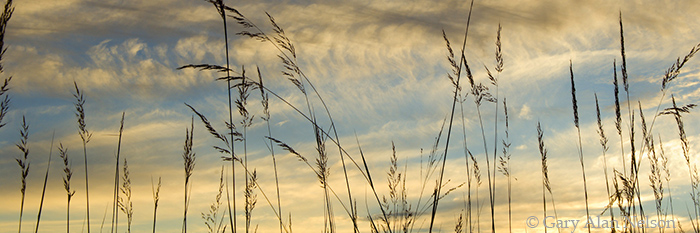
<point x="380" y="67"/>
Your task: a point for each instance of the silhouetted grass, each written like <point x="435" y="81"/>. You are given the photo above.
<point x="85" y="136"/>
<point x="398" y="212"/>
<point x="545" y="171"/>
<point x="676" y="112"/>
<point x="4" y="19"/>
<point x="124" y="203"/>
<point x="115" y="215"/>
<point x="189" y="158"/>
<point x="477" y="179"/>
<point x="23" y="163"/>
<point x="495" y="82"/>
<point x="67" y="174"/>
<point x="156" y="198"/>
<point x="212" y="220"/>
<point x="604" y="145"/>
<point x="504" y="165"/>
<point x="43" y="190"/>
<point x="265" y="102"/>
<point x="580" y="146"/>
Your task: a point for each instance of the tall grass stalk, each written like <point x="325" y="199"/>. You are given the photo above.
<point x="432" y="167"/>
<point x="299" y="79"/>
<point x="634" y="163"/>
<point x="504" y="165"/>
<point x="468" y="208"/>
<point x="189" y="162"/>
<point x="222" y="138"/>
<point x="43" y="191"/>
<point x="211" y="218"/>
<point x="156" y="198"/>
<point x="481" y="93"/>
<point x="232" y="216"/>
<point x="630" y="114"/>
<point x="104" y="217"/>
<point x="317" y="169"/>
<point x="409" y="217"/>
<point x="655" y="179"/>
<point x="667" y="178"/>
<point x="676" y="112"/>
<point x="85" y="136"/>
<point x="322" y="175"/>
<point x="393" y="180"/>
<point x="364" y="171"/>
<point x="288" y="55"/>
<point x="23" y="163"/>
<point x="477" y="178"/>
<point x="455" y="83"/>
<point x="670" y="74"/>
<point x="221" y="9"/>
<point x="546" y="185"/>
<point x="294" y="74"/>
<point x="4" y="19"/>
<point x="241" y="104"/>
<point x="67" y="174"/>
<point x="495" y="82"/>
<point x="618" y="126"/>
<point x="250" y="198"/>
<point x="115" y="215"/>
<point x="621" y="196"/>
<point x="655" y="166"/>
<point x="255" y="185"/>
<point x="125" y="204"/>
<point x="397" y="203"/>
<point x="253" y="182"/>
<point x="545" y="172"/>
<point x="604" y="146"/>
<point x="462" y="97"/>
<point x="580" y="146"/>
<point x="426" y="173"/>
<point x="265" y="102"/>
<point x="618" y="117"/>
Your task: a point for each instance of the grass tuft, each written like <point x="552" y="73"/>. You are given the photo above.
<point x="211" y="219"/>
<point x="580" y="146"/>
<point x="85" y="136"/>
<point x="189" y="158"/>
<point x="124" y="203"/>
<point x="156" y="198"/>
<point x="24" y="164"/>
<point x="67" y="174"/>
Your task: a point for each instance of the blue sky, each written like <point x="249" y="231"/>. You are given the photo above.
<point x="381" y="68"/>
